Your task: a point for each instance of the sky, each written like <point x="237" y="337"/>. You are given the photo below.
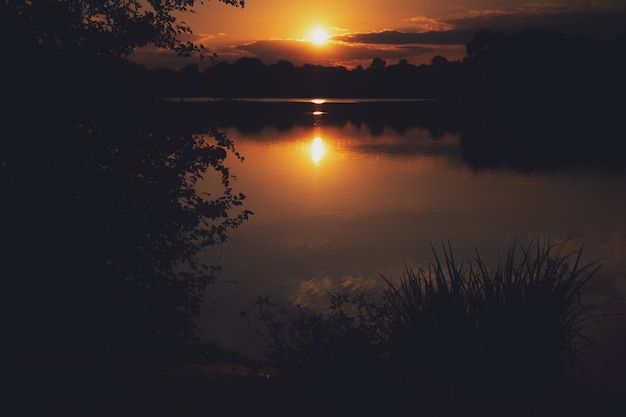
<point x="354" y="32"/>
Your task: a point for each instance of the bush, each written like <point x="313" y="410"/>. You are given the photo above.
<point x="453" y="330"/>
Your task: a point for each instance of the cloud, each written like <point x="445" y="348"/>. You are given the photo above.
<point x="348" y="54"/>
<point x="419" y="40"/>
<point x="428" y="24"/>
<point x="207" y="38"/>
<point x="154" y="57"/>
<point x="428" y="36"/>
<point x="572" y="19"/>
<point x="393" y="37"/>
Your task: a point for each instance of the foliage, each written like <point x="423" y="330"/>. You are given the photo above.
<point x="517" y="325"/>
<point x="105" y="229"/>
<point x="93" y="27"/>
<point x="460" y="330"/>
<point x="313" y="343"/>
<point x="117" y="225"/>
<point x="335" y="358"/>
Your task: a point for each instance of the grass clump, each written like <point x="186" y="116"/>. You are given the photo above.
<point x="511" y="330"/>
<point x="452" y="331"/>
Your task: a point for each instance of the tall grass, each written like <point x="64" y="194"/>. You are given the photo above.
<point x="462" y="330"/>
<point x="513" y="329"/>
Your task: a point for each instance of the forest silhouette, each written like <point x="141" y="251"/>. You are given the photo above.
<point x="523" y="68"/>
<point x="102" y="227"/>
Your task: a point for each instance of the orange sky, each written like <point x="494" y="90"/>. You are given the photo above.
<point x="360" y="30"/>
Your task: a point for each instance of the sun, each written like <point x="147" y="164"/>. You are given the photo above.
<point x="318" y="35"/>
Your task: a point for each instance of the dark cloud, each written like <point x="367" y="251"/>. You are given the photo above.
<point x="273" y="50"/>
<point x="605" y="25"/>
<point x="392" y="37"/>
<point x="600" y="24"/>
<point x="297" y="52"/>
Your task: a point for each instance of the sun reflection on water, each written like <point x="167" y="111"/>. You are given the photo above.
<point x="317" y="150"/>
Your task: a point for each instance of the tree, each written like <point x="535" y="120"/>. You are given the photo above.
<point x="377" y="64"/>
<point x="485" y="41"/>
<point x="438" y="61"/>
<point x="104" y="227"/>
<point x="98" y="26"/>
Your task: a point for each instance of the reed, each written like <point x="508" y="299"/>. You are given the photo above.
<point x="516" y="328"/>
<point x="463" y="331"/>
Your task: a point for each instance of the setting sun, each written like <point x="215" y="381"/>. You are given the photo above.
<point x="318" y="35"/>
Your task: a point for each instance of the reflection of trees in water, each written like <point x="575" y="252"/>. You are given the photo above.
<point x="541" y="139"/>
<point x="492" y="137"/>
<point x="250" y="117"/>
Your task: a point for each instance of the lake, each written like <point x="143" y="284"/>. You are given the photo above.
<point x="346" y="191"/>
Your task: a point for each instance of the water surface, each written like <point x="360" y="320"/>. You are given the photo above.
<point x="339" y="201"/>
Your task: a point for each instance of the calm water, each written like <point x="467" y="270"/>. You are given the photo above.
<point x="337" y="202"/>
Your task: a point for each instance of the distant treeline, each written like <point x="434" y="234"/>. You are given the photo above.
<point x="523" y="67"/>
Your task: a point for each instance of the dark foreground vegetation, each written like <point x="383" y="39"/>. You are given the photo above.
<point x="102" y="232"/>
<point x="453" y="336"/>
<point x="102" y="227"/>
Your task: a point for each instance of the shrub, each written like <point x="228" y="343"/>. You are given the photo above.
<point x="465" y="330"/>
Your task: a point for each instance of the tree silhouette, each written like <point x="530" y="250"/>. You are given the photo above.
<point x="485" y="41"/>
<point x="104" y="227"/>
<point x="96" y="27"/>
<point x="377" y="64"/>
